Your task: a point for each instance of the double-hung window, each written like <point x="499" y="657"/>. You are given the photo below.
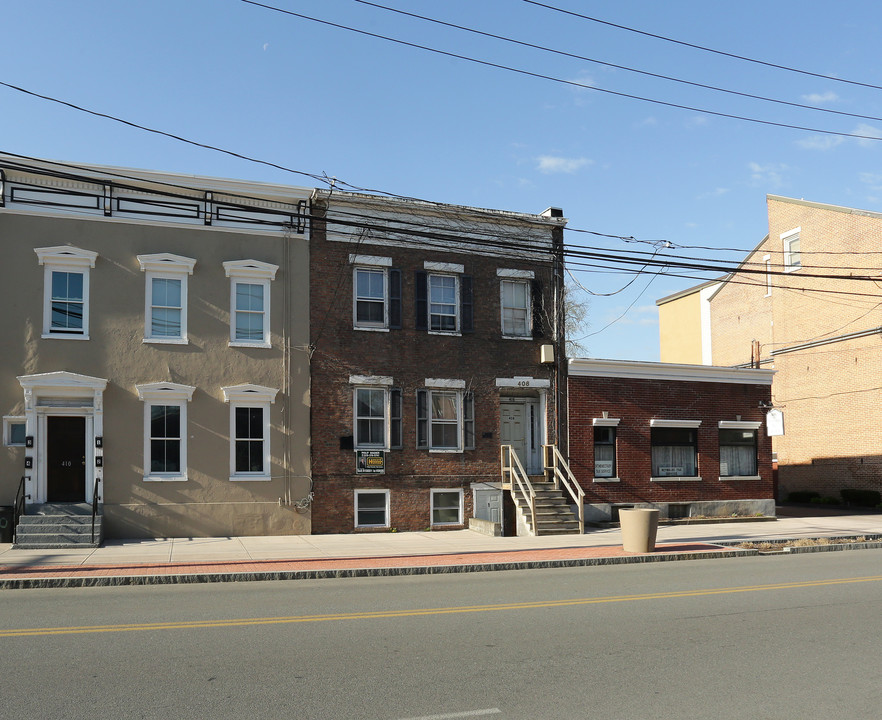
<point x="165" y="430"/>
<point x="605" y="449"/>
<point x="66" y="291"/>
<point x="738" y="448"/>
<point x="515" y="301"/>
<point x="165" y="304"/>
<point x="674" y="449"/>
<point x="371" y="508"/>
<point x="446" y="507"/>
<point x="250" y="302"/>
<point x="249" y="430"/>
<point x="792" y="255"/>
<point x="376" y="296"/>
<point x="444" y="303"/>
<point x="445" y="416"/>
<point x="376" y="413"/>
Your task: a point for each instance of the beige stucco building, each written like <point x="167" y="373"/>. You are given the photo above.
<point x="805" y="302"/>
<point x="155" y="349"/>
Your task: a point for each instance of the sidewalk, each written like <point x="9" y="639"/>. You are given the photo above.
<point x="189" y="560"/>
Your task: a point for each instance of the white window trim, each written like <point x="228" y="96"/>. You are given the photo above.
<point x="447" y="272"/>
<point x="161" y="393"/>
<point x="740" y="425"/>
<point x="436" y="491"/>
<point x="451" y="386"/>
<point x="387" y="417"/>
<point x="174" y="267"/>
<point x="370" y="327"/>
<point x="606" y="422"/>
<point x="250" y="396"/>
<point x="786" y="239"/>
<point x="685" y="424"/>
<point x="657" y="422"/>
<point x="443" y="268"/>
<point x="529" y="309"/>
<point x="8" y="422"/>
<point x="250" y="272"/>
<point x="373" y="260"/>
<point x="64" y="258"/>
<point x="371" y="492"/>
<point x="522" y="274"/>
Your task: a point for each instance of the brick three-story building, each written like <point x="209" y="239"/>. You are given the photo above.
<point x="436" y="336"/>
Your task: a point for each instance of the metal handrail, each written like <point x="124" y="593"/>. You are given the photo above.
<point x="516" y="470"/>
<point x="18" y="508"/>
<point x="94" y="507"/>
<point x="566" y="478"/>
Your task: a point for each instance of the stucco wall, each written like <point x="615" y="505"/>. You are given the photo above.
<point x="207" y="503"/>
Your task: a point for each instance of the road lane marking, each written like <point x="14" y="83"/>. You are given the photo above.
<point x="466" y="714"/>
<point x="382" y="614"/>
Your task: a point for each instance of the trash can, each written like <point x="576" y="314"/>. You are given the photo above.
<point x="639" y="528"/>
<point x="7" y="516"/>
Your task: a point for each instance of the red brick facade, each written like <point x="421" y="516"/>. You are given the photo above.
<point x="636" y="401"/>
<point x="403" y="358"/>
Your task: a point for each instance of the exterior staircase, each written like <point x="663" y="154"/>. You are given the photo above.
<point x="58" y="525"/>
<point x="553" y="513"/>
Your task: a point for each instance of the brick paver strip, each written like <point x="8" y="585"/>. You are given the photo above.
<point x="248" y="567"/>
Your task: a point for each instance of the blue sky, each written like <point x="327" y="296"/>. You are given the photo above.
<point x="380" y="115"/>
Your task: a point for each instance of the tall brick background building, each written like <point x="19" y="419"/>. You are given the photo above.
<point x="428" y="323"/>
<point x="687" y="439"/>
<point x="813" y="314"/>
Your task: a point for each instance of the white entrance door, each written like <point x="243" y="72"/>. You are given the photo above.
<point x="514" y="426"/>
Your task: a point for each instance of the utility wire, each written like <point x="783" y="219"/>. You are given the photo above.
<point x="562" y="81"/>
<point x="646" y="73"/>
<point x="703" y="48"/>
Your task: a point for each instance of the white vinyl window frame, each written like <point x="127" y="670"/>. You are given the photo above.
<point x="443" y="311"/>
<point x="250" y="274"/>
<point x="510" y="279"/>
<point x="364" y="513"/>
<point x="612" y="424"/>
<point x="14" y="430"/>
<point x="73" y="261"/>
<point x="792" y="257"/>
<point x="438" y="504"/>
<point x="165" y="266"/>
<point x="250" y="397"/>
<point x="376" y="267"/>
<point x="745" y="426"/>
<point x="428" y="419"/>
<point x="165" y="395"/>
<point x="657" y="423"/>
<point x="371" y="386"/>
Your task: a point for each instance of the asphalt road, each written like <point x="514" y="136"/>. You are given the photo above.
<point x="767" y="637"/>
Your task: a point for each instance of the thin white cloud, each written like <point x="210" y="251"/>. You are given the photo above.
<point x="821" y="98"/>
<point x="265" y="46"/>
<point x="869" y="137"/>
<point x="868" y="131"/>
<point x="552" y="164"/>
<point x="873" y="181"/>
<point x="770" y="176"/>
<point x="715" y="193"/>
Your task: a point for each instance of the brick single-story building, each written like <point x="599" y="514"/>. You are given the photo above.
<point x="687" y="439"/>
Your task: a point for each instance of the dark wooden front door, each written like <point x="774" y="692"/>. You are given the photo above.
<point x="65" y="459"/>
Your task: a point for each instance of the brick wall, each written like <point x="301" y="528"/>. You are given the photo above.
<point x="635" y="402"/>
<point x="829" y="393"/>
<point x="409" y="356"/>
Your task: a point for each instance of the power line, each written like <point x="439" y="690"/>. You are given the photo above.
<point x="703" y="48"/>
<point x="562" y="81"/>
<point x="645" y="73"/>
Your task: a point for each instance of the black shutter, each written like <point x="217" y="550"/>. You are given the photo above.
<point x="466" y="304"/>
<point x="395" y="299"/>
<point x="538" y="300"/>
<point x="422" y="301"/>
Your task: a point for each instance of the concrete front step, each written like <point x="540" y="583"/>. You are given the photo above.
<point x="53" y="526"/>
